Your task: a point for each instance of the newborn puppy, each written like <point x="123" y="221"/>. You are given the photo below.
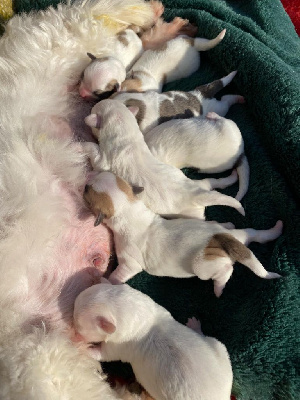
<point x="175" y="59"/>
<point x="211" y="144"/>
<point x="170" y="360"/>
<point x="105" y="74"/>
<point x="156" y="108"/>
<point x="122" y="150"/>
<point x="179" y="248"/>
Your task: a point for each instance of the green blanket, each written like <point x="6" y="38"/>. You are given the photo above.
<point x="257" y="319"/>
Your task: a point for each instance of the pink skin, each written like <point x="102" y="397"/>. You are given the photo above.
<point x="80" y="257"/>
<point x="77" y="258"/>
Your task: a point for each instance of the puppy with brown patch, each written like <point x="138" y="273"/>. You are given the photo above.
<point x="212" y="144"/>
<point x="170" y="360"/>
<point x="156" y="108"/>
<point x="105" y="74"/>
<point x="122" y="150"/>
<point x="179" y="248"/>
<point x="175" y="59"/>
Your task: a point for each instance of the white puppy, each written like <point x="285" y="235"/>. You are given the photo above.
<point x="105" y="74"/>
<point x="122" y="150"/>
<point x="179" y="248"/>
<point x="211" y="144"/>
<point x="156" y="108"/>
<point x="169" y="359"/>
<point x="175" y="59"/>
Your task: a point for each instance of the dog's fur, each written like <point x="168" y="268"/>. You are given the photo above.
<point x="42" y="212"/>
<point x="156" y="108"/>
<point x="178" y="248"/>
<point x="122" y="150"/>
<point x="174" y="60"/>
<point x="169" y="359"/>
<point x="211" y="144"/>
<point x="106" y="73"/>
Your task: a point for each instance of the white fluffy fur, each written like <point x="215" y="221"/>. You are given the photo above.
<point x="176" y="59"/>
<point x="42" y="169"/>
<point x="169" y="359"/>
<point x="175" y="248"/>
<point x="211" y="144"/>
<point x="122" y="150"/>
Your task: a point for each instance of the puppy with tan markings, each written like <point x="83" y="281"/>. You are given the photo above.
<point x="175" y="59"/>
<point x="170" y="360"/>
<point x="211" y="144"/>
<point x="179" y="248"/>
<point x="122" y="150"/>
<point x="105" y="74"/>
<point x="156" y="108"/>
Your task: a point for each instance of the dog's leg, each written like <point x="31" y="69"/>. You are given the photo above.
<point x="194" y="324"/>
<point x="122" y="274"/>
<point x="222" y="106"/>
<point x="222" y="278"/>
<point x="261" y="236"/>
<point x="93" y="153"/>
<point x="219" y="183"/>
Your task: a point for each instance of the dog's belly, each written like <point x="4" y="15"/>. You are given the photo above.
<point x="76" y="259"/>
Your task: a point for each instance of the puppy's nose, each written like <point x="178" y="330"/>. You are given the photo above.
<point x="86" y="188"/>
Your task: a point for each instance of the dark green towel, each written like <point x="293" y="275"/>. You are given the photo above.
<point x="257" y="319"/>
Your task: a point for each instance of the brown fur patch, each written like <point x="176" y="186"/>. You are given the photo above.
<point x="132" y="85"/>
<point x="208" y="91"/>
<point x="99" y="202"/>
<point x="179" y="107"/>
<point x="161" y="48"/>
<point x="111" y="85"/>
<point x="190" y="41"/>
<point x="142" y="108"/>
<point x="225" y="245"/>
<point x="126" y="188"/>
<point x="122" y="38"/>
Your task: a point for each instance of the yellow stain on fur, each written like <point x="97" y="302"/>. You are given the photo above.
<point x="6" y="10"/>
<point x="115" y="24"/>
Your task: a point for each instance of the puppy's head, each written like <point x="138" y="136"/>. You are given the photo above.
<point x="114" y="116"/>
<point x="107" y="194"/>
<point x="101" y="78"/>
<point x="94" y="318"/>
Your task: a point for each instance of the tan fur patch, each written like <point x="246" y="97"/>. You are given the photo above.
<point x="122" y="38"/>
<point x="225" y="245"/>
<point x="111" y="85"/>
<point x="190" y="41"/>
<point x="132" y="85"/>
<point x="161" y="48"/>
<point x="99" y="202"/>
<point x="126" y="188"/>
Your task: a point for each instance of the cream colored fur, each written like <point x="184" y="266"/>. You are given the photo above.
<point x="42" y="171"/>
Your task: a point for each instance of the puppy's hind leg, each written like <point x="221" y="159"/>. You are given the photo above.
<point x="249" y="235"/>
<point x="222" y="106"/>
<point x="218" y="183"/>
<point x="194" y="324"/>
<point x="222" y="278"/>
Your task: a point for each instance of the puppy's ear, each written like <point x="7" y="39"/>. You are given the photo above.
<point x="99" y="219"/>
<point x="92" y="57"/>
<point x="133" y="109"/>
<point x="106" y="325"/>
<point x="93" y="120"/>
<point x="137" y="189"/>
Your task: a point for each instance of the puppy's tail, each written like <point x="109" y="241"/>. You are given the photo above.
<point x="242" y="167"/>
<point x="210" y="89"/>
<point x="213" y="198"/>
<point x="202" y="44"/>
<point x="237" y="251"/>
